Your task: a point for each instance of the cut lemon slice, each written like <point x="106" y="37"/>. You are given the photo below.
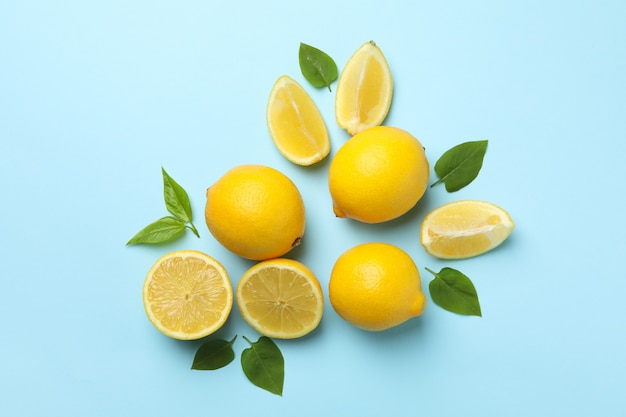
<point x="295" y="123"/>
<point x="364" y="90"/>
<point x="280" y="298"/>
<point x="187" y="295"/>
<point x="465" y="228"/>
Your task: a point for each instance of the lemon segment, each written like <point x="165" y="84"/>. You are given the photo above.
<point x="364" y="90"/>
<point x="376" y="286"/>
<point x="187" y="295"/>
<point x="463" y="229"/>
<point x="295" y="123"/>
<point x="256" y="212"/>
<point x="378" y="175"/>
<point x="280" y="298"/>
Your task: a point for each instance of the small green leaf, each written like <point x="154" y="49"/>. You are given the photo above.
<point x="317" y="66"/>
<point x="460" y="165"/>
<point x="264" y="365"/>
<point x="177" y="201"/>
<point x="176" y="198"/>
<point x="454" y="291"/>
<point x="214" y="354"/>
<point x="159" y="231"/>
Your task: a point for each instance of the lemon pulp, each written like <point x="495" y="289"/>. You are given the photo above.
<point x="364" y="90"/>
<point x="464" y="228"/>
<point x="295" y="123"/>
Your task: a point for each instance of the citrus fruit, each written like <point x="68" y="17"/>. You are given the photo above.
<point x="187" y="295"/>
<point x="376" y="286"/>
<point x="255" y="212"/>
<point x="465" y="228"/>
<point x="295" y="123"/>
<point x="378" y="175"/>
<point x="280" y="298"/>
<point x="364" y="90"/>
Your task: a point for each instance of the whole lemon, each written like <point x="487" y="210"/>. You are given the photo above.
<point x="378" y="175"/>
<point x="376" y="286"/>
<point x="255" y="212"/>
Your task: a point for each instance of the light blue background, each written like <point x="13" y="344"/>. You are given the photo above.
<point x="97" y="96"/>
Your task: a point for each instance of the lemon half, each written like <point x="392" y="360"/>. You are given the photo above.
<point x="280" y="298"/>
<point x="187" y="295"/>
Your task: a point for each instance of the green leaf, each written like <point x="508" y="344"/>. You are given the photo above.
<point x="317" y="67"/>
<point x="454" y="291"/>
<point x="159" y="231"/>
<point x="177" y="201"/>
<point x="214" y="354"/>
<point x="176" y="198"/>
<point x="166" y="228"/>
<point x="460" y="165"/>
<point x="264" y="365"/>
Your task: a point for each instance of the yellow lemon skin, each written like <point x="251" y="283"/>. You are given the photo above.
<point x="376" y="286"/>
<point x="256" y="212"/>
<point x="378" y="175"/>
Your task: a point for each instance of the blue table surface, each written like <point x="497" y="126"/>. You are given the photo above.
<point x="96" y="97"/>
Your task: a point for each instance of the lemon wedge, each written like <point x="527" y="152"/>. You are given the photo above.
<point x="296" y="124"/>
<point x="364" y="90"/>
<point x="464" y="228"/>
<point x="280" y="298"/>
